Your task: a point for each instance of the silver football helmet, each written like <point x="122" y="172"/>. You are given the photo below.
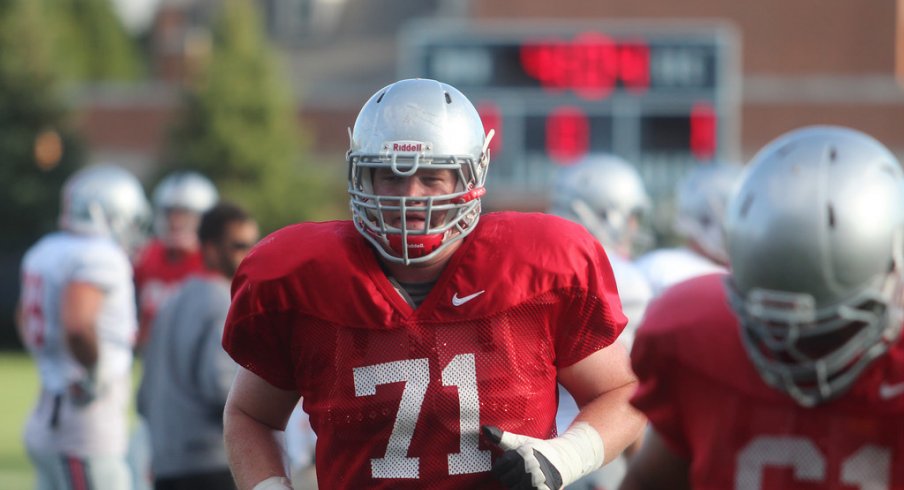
<point x="186" y="191"/>
<point x="106" y="200"/>
<point x="604" y="193"/>
<point x="408" y="126"/>
<point x="701" y="198"/>
<point x="814" y="238"/>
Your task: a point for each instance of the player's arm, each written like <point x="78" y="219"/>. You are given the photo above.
<point x="254" y="419"/>
<point x="602" y="385"/>
<point x="655" y="467"/>
<point x="79" y="311"/>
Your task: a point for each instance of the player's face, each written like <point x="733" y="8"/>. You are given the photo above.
<point x="423" y="183"/>
<point x="237" y="241"/>
<point x="182" y="227"/>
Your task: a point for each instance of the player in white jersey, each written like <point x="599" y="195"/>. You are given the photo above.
<point x="77" y="317"/>
<point x="606" y="195"/>
<point x="701" y="198"/>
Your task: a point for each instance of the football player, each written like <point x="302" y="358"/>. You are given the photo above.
<point x="787" y="373"/>
<point x="606" y="195"/>
<point x="701" y="198"/>
<point x="179" y="201"/>
<point x="76" y="316"/>
<point x="426" y="347"/>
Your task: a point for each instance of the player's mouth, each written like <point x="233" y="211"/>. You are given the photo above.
<point x="413" y="221"/>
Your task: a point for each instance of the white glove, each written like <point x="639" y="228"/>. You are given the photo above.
<point x="546" y="464"/>
<point x="274" y="483"/>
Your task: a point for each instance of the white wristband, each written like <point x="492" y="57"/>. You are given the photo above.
<point x="574" y="454"/>
<point x="274" y="483"/>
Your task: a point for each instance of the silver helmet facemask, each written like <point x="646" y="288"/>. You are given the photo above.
<point x="814" y="239"/>
<point x="407" y="127"/>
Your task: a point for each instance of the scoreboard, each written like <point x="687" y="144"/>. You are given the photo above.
<point x="662" y="95"/>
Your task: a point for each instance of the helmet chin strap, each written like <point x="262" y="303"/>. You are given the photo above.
<point x="418" y="245"/>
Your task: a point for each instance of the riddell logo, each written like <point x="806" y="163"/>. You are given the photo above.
<point x="415" y="245"/>
<point x="407" y="146"/>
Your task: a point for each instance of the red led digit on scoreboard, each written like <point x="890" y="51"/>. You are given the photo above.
<point x="491" y="117"/>
<point x="591" y="65"/>
<point x="567" y="135"/>
<point x="634" y="66"/>
<point x="703" y="130"/>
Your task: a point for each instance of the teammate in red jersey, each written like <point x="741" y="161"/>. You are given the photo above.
<point x="426" y="349"/>
<point x="787" y="373"/>
<point x="179" y="201"/>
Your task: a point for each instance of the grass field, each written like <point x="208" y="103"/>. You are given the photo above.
<point x="19" y="382"/>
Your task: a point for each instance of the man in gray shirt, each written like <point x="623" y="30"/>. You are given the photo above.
<point x="187" y="374"/>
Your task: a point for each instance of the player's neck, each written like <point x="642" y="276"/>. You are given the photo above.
<point x="420" y="273"/>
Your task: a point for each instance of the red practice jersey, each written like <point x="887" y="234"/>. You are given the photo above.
<point x="397" y="395"/>
<point x="708" y="402"/>
<point x="157" y="276"/>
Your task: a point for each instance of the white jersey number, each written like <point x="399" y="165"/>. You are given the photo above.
<point x="868" y="468"/>
<point x="32" y="311"/>
<point x="415" y="373"/>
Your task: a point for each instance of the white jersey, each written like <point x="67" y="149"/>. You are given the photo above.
<point x="634" y="292"/>
<point x="668" y="266"/>
<point x="48" y="267"/>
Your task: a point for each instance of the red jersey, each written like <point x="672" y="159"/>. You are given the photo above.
<point x="710" y="405"/>
<point x="397" y="395"/>
<point x="157" y="276"/>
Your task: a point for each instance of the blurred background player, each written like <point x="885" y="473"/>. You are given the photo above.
<point x="77" y="318"/>
<point x="187" y="374"/>
<point x="701" y="198"/>
<point x="606" y="195"/>
<point x="179" y="201"/>
<point x="799" y="345"/>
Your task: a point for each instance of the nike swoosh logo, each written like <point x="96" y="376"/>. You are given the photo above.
<point x="887" y="391"/>
<point x="456" y="301"/>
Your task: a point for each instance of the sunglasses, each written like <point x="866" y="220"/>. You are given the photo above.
<point x="240" y="246"/>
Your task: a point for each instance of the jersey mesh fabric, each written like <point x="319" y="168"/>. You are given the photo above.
<point x="397" y="395"/>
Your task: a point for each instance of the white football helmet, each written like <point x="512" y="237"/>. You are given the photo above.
<point x="814" y="237"/>
<point x="186" y="191"/>
<point x="604" y="193"/>
<point x="408" y="126"/>
<point x="106" y="200"/>
<point x="701" y="198"/>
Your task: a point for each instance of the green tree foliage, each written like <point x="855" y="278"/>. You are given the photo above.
<point x="30" y="105"/>
<point x="239" y="127"/>
<point x="90" y="42"/>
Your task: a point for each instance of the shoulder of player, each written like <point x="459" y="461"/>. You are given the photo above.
<point x="687" y="318"/>
<point x="285" y="250"/>
<point x="530" y="232"/>
<point x="99" y="250"/>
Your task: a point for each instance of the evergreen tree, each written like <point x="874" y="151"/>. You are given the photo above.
<point x="238" y="126"/>
<point x="33" y="128"/>
<point x="90" y="42"/>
